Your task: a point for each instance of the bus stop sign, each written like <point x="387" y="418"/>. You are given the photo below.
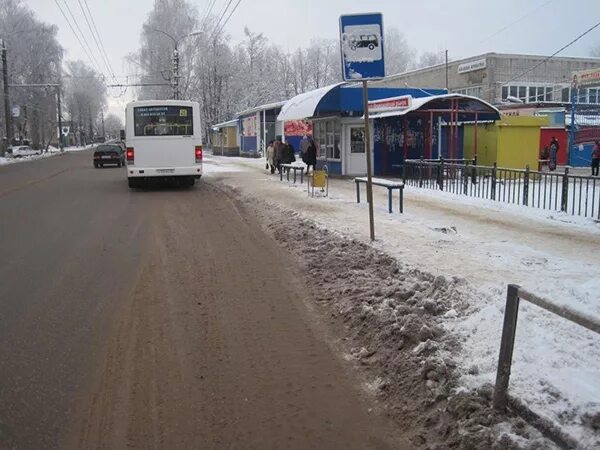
<point x="361" y="39"/>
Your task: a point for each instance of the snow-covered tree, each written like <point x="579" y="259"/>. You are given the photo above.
<point x="34" y="57"/>
<point x="112" y="126"/>
<point x="399" y="56"/>
<point x="428" y="59"/>
<point x="85" y="97"/>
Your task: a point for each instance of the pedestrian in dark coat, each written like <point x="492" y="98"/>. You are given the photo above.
<point x="553" y="154"/>
<point x="596" y="159"/>
<point x="278" y="149"/>
<point x="310" y="156"/>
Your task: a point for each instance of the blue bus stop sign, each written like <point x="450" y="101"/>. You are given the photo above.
<point x="361" y="41"/>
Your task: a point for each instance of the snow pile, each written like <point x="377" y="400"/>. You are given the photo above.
<point x="51" y="151"/>
<point x="490" y="244"/>
<point x="394" y="317"/>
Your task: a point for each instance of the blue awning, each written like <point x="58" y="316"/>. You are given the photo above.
<point x="345" y="99"/>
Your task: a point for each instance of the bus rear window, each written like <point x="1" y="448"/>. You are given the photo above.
<point x="163" y="121"/>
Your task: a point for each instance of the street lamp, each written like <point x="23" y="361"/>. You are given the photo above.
<point x="175" y="62"/>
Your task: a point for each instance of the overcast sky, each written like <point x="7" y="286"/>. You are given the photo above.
<point x="464" y="27"/>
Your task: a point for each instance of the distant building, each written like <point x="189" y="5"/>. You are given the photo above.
<point x="494" y="77"/>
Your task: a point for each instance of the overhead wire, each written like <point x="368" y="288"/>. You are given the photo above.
<point x="531" y="69"/>
<point x="76" y="22"/>
<point x="74" y="32"/>
<point x="221" y="16"/>
<point x="95" y="36"/>
<point x="524" y="16"/>
<point x="208" y="10"/>
<point x="215" y="33"/>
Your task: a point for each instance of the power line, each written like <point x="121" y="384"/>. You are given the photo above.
<point x="76" y="35"/>
<point x="207" y="10"/>
<point x="554" y="54"/>
<point x="96" y="37"/>
<point x="524" y="16"/>
<point x="76" y="22"/>
<point x="221" y="15"/>
<point x="228" y="17"/>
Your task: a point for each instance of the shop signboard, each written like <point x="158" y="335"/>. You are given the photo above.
<point x="472" y="66"/>
<point x="587" y="78"/>
<point x="389" y="104"/>
<point x="249" y="126"/>
<point x="297" y="128"/>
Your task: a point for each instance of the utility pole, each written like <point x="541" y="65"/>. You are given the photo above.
<point x="103" y="130"/>
<point x="446" y="69"/>
<point x="7" y="118"/>
<point x="175" y="80"/>
<point x="60" y="132"/>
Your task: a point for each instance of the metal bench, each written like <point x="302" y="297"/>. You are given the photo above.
<point x="390" y="185"/>
<point x="295" y="168"/>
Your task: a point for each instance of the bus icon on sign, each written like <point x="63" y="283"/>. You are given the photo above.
<point x="369" y="41"/>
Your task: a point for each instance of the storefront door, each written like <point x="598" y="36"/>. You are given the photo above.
<point x="357" y="161"/>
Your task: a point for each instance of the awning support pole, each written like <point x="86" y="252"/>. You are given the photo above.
<point x="430" y="135"/>
<point x="475" y="135"/>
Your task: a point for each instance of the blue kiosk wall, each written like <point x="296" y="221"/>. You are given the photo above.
<point x="389" y="149"/>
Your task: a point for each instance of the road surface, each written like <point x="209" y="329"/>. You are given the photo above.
<point x="158" y="319"/>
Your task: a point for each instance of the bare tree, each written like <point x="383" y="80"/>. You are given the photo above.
<point x="85" y="97"/>
<point x="428" y="59"/>
<point x="169" y="20"/>
<point x="112" y="126"/>
<point x="34" y="57"/>
<point x="399" y="56"/>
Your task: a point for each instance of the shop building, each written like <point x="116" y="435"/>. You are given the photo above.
<point x="494" y="77"/>
<point x="225" y="138"/>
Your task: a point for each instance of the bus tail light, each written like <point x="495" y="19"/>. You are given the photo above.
<point x="130" y="155"/>
<point x="198" y="152"/>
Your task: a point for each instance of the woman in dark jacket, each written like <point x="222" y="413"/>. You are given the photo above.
<point x="310" y="156"/>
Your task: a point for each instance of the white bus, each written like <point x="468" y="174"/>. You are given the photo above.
<point x="163" y="140"/>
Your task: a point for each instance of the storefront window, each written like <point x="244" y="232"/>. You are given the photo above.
<point x="327" y="136"/>
<point x="357" y="140"/>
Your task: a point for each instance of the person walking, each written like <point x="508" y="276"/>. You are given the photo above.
<point x="271" y="157"/>
<point x="310" y="157"/>
<point x="596" y="158"/>
<point x="278" y="148"/>
<point x="553" y="154"/>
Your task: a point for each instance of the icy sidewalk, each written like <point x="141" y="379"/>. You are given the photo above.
<point x="556" y="364"/>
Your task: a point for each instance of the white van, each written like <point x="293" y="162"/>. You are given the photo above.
<point x="163" y="140"/>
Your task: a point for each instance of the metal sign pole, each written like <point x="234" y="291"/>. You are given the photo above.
<point x="368" y="153"/>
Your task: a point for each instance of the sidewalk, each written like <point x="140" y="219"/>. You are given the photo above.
<point x="556" y="364"/>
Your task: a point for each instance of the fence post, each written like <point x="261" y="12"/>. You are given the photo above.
<point x="421" y="173"/>
<point x="564" y="201"/>
<point x="474" y="172"/>
<point x="507" y="343"/>
<point x="526" y="186"/>
<point x="494" y="176"/>
<point x="441" y="174"/>
<point x="465" y="175"/>
<point x="403" y="172"/>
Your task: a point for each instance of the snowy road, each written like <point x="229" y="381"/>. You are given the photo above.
<point x="161" y="319"/>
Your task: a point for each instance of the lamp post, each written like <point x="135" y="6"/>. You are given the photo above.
<point x="175" y="60"/>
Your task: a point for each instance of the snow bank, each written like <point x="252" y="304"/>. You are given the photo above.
<point x="490" y="245"/>
<point x="52" y="151"/>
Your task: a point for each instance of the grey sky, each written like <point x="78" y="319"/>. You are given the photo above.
<point x="464" y="27"/>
